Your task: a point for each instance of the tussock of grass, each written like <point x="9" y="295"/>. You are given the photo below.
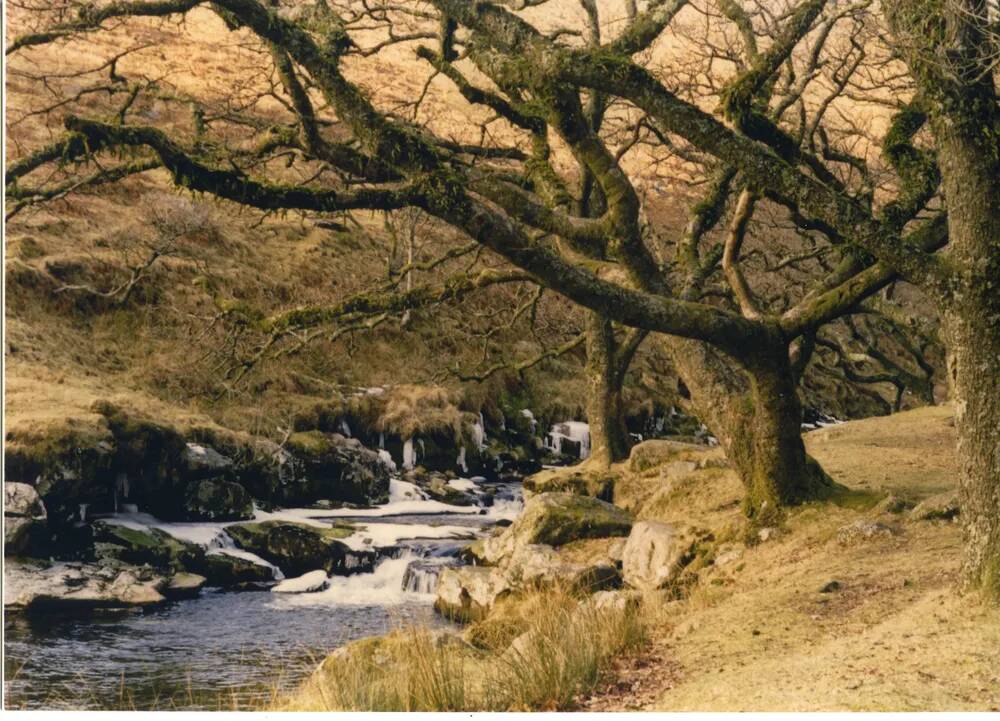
<point x="413" y="410"/>
<point x="563" y="647"/>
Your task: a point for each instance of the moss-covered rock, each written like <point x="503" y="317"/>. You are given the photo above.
<point x="296" y="548"/>
<point x="217" y="500"/>
<point x="149" y="546"/>
<point x="557" y="518"/>
<point x="231" y="571"/>
<point x="581" y="480"/>
<point x="328" y="466"/>
<point x="68" y="461"/>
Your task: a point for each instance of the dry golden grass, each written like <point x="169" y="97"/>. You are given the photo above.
<point x="759" y="635"/>
<point x="561" y="648"/>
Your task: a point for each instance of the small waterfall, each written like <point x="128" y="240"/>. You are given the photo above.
<point x="422" y="576"/>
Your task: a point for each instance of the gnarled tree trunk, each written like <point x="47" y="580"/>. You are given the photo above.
<point x="756" y="415"/>
<point x="609" y="440"/>
<point x="971" y="171"/>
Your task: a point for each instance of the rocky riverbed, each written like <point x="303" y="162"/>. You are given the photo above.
<point x="98" y="636"/>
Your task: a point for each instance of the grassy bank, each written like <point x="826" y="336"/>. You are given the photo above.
<point x="541" y="651"/>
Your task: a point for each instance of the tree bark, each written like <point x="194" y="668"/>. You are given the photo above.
<point x="971" y="172"/>
<point x="609" y="440"/>
<point x="756" y="415"/>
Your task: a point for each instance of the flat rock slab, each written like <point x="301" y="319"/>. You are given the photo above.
<point x="64" y="585"/>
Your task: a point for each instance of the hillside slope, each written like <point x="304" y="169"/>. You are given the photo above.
<point x="851" y="607"/>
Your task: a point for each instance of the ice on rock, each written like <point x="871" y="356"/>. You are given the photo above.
<point x="387" y="460"/>
<point x="306" y="583"/>
<point x="575" y="431"/>
<point x="409" y="455"/>
<point x="344" y="428"/>
<point x="462" y="484"/>
<point x="460" y="462"/>
<point x="531" y="417"/>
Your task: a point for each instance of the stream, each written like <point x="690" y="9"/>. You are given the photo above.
<point x="229" y="650"/>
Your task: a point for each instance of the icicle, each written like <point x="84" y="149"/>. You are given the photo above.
<point x="409" y="454"/>
<point x="83" y="511"/>
<point x="346" y="429"/>
<point x="460" y="461"/>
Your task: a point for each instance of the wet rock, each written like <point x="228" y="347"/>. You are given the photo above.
<point x="226" y="570"/>
<point x="184" y="585"/>
<point x="655" y="554"/>
<point x="306" y="583"/>
<point x="296" y="548"/>
<point x="557" y="518"/>
<point x="80" y="586"/>
<point x="328" y="466"/>
<point x="217" y="500"/>
<point x="861" y="531"/>
<point x="149" y="546"/>
<point x="941" y="507"/>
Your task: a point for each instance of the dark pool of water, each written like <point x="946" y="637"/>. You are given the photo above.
<point x="219" y="651"/>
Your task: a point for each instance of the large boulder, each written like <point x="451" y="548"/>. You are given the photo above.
<point x="184" y="585"/>
<point x="655" y="554"/>
<point x="538" y="566"/>
<point x="225" y="569"/>
<point x="468" y="593"/>
<point x="149" y="546"/>
<point x="296" y="548"/>
<point x="202" y="461"/>
<point x="557" y="518"/>
<point x="581" y="480"/>
<point x="80" y="586"/>
<point x="327" y="466"/>
<point x="25" y="527"/>
<point x="217" y="500"/>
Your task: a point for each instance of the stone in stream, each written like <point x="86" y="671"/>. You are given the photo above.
<point x="226" y="570"/>
<point x="150" y="546"/>
<point x="306" y="583"/>
<point x="184" y="585"/>
<point x="557" y="518"/>
<point x="297" y="548"/>
<point x="80" y="586"/>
